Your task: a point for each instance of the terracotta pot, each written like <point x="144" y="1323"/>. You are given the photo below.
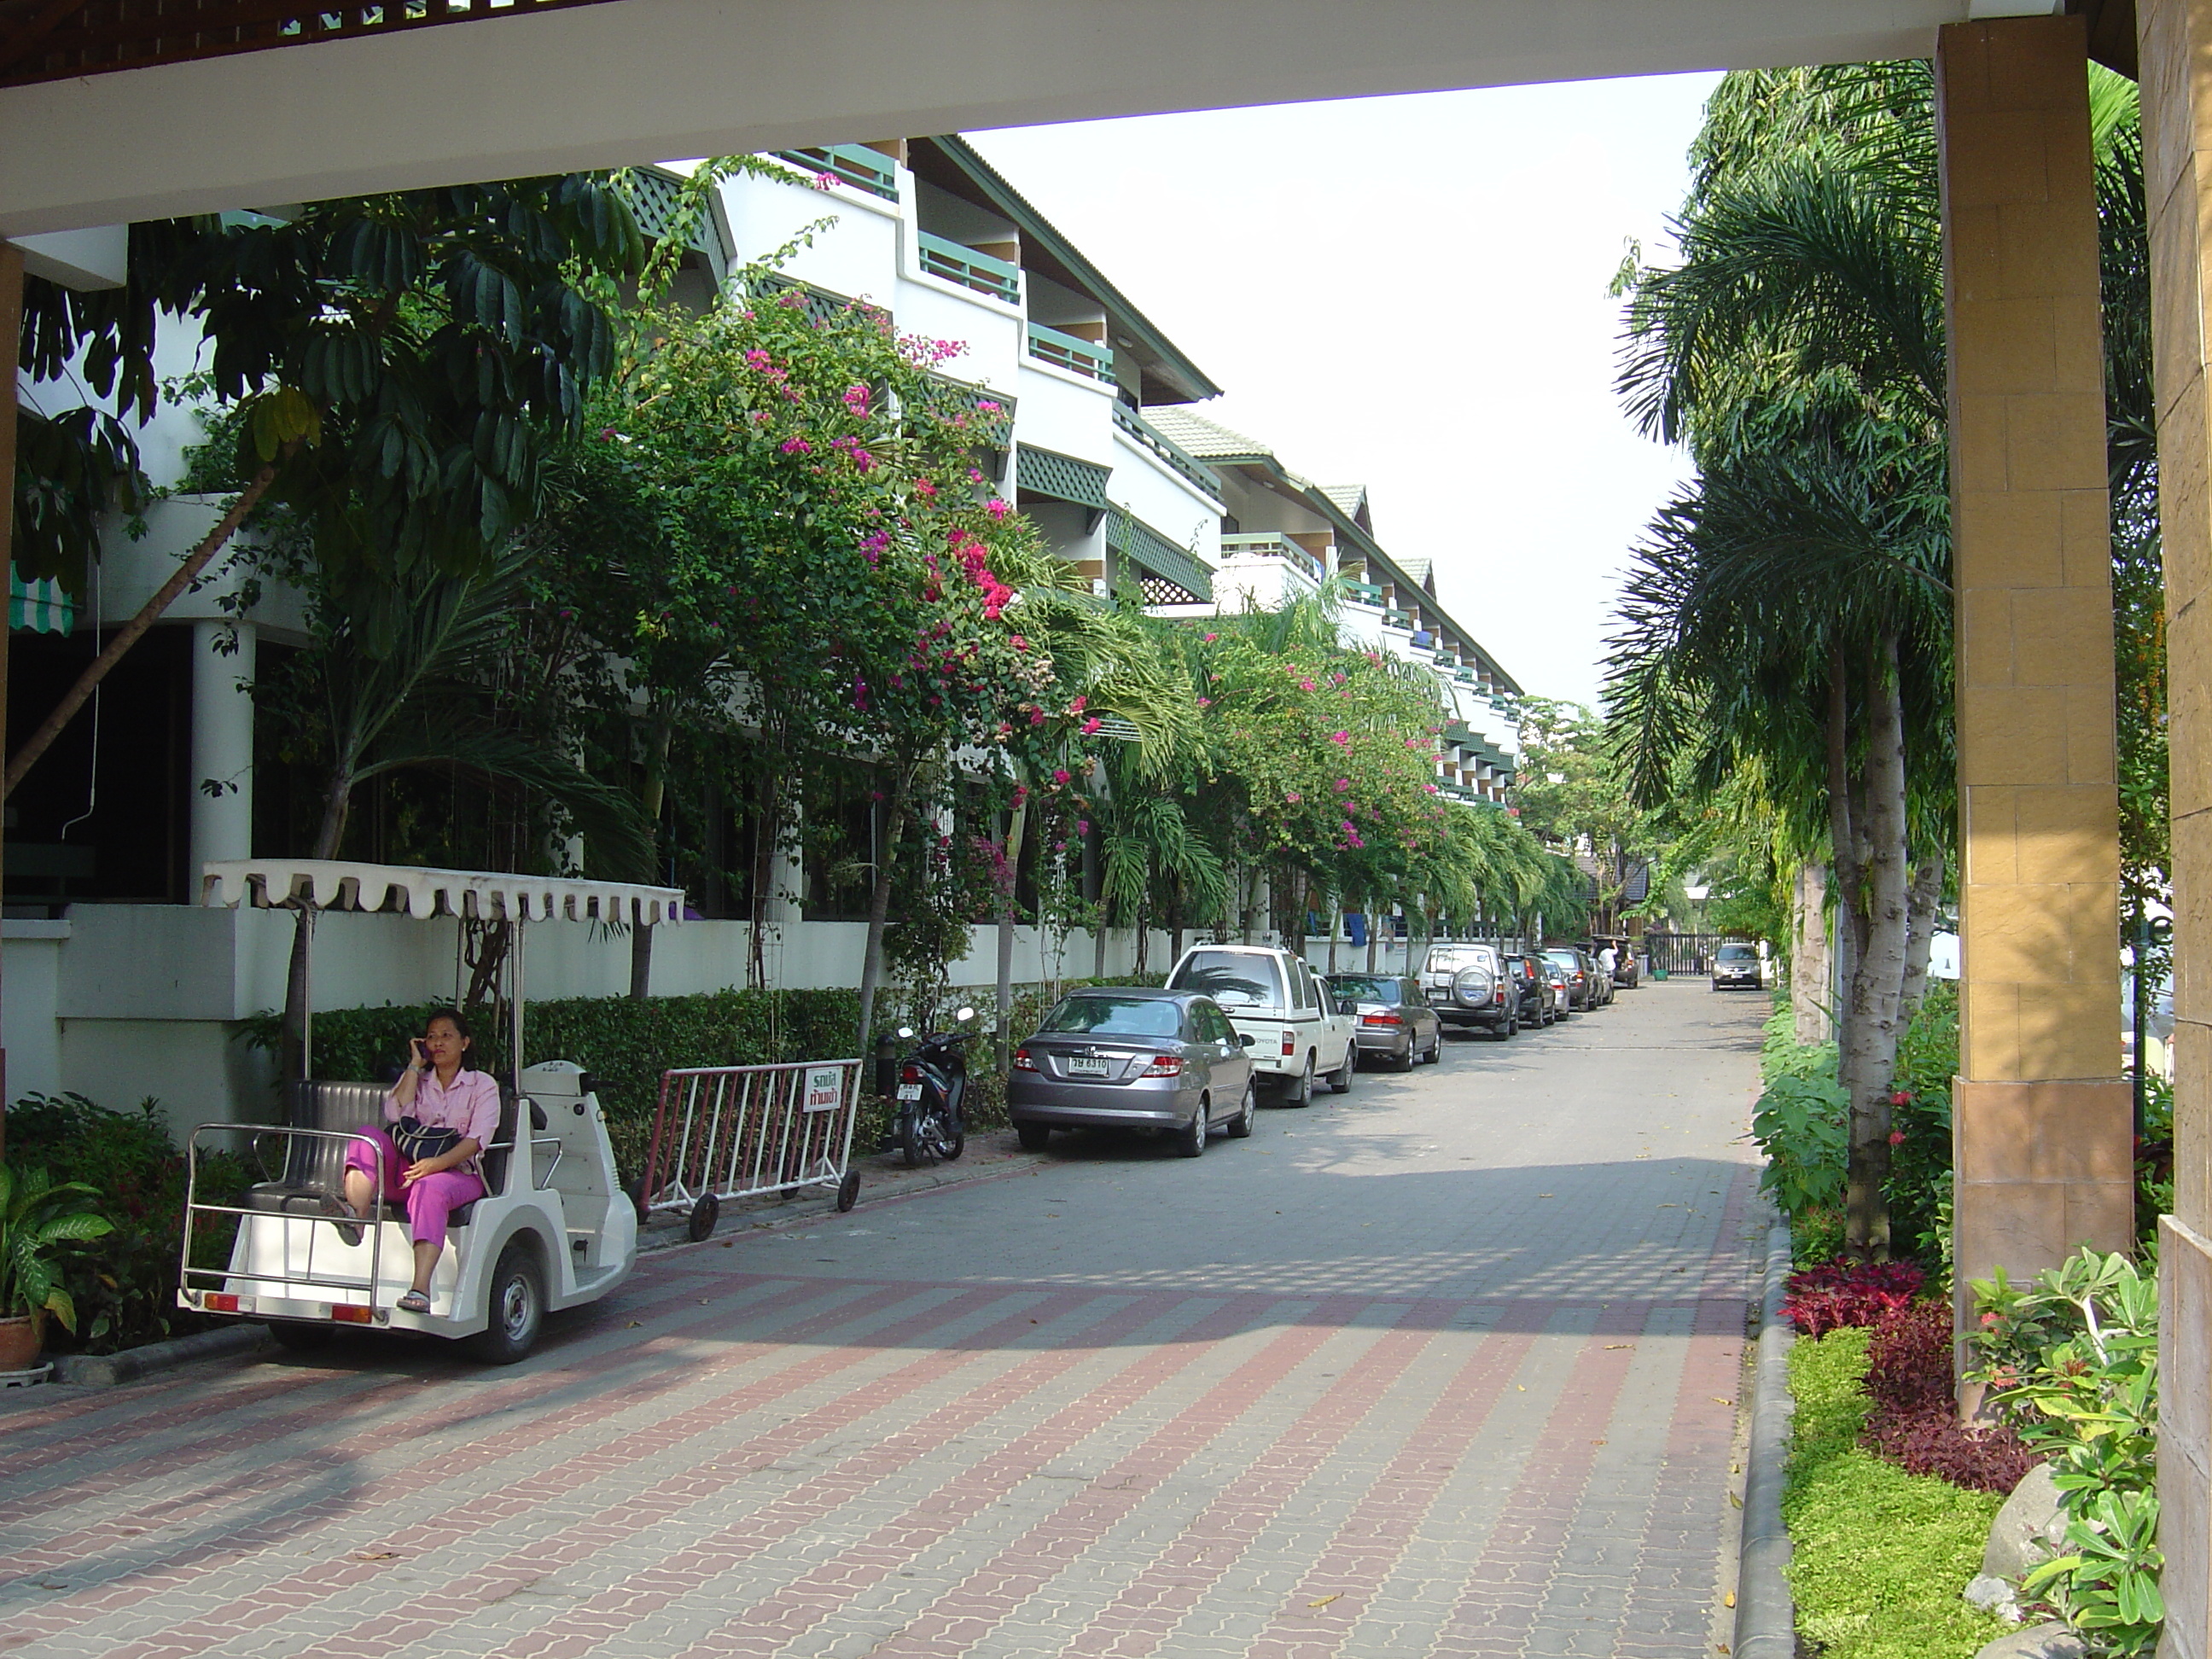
<point x="19" y="1344"/>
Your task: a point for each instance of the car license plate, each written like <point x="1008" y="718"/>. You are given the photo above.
<point x="1085" y="1066"/>
<point x="909" y="1092"/>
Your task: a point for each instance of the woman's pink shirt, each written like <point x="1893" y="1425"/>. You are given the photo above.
<point x="470" y="1105"/>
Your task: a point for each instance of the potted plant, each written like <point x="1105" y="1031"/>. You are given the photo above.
<point x="35" y="1215"/>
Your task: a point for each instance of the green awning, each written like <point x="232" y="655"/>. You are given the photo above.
<point x="39" y="606"/>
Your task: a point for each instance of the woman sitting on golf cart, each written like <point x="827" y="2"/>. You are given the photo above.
<point x="442" y="1115"/>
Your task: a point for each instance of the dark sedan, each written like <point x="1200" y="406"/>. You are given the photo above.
<point x="1130" y="1058"/>
<point x="1396" y="1023"/>
<point x="1574" y="970"/>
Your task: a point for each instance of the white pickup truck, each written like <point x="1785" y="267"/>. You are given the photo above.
<point x="1271" y="995"/>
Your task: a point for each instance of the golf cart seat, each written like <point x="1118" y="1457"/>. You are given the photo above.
<point x="314" y="1165"/>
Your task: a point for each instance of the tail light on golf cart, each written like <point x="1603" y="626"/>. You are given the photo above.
<point x="1022" y="1060"/>
<point x="1385" y="1018"/>
<point x="347" y="1313"/>
<point x="1163" y="1066"/>
<point x="218" y="1302"/>
<point x="1290" y="1043"/>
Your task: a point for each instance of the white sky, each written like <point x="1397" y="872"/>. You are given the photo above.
<point x="1409" y="292"/>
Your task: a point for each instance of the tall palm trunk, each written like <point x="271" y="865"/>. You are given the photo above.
<point x="655" y="797"/>
<point x="293" y="1058"/>
<point x="879" y="901"/>
<point x="1925" y="894"/>
<point x="1878" y="974"/>
<point x="1811" y="994"/>
<point x="1009" y="918"/>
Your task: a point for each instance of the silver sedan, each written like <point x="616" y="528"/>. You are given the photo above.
<point x="1134" y="1058"/>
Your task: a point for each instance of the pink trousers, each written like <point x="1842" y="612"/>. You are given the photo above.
<point x="428" y="1201"/>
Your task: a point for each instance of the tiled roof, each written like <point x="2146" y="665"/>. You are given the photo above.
<point x="1207" y="440"/>
<point x="1350" y="497"/>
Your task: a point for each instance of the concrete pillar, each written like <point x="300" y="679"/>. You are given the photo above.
<point x="2042" y="1133"/>
<point x="222" y="748"/>
<point x="2175" y="44"/>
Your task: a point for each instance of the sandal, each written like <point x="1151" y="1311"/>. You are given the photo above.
<point x="415" y="1302"/>
<point x="341" y="1217"/>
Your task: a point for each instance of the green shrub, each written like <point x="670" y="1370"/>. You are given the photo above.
<point x="2072" y="1359"/>
<point x="625" y="1044"/>
<point x="1879" y="1556"/>
<point x="124" y="1284"/>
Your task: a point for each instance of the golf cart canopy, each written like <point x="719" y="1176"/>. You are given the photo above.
<point x="408" y="889"/>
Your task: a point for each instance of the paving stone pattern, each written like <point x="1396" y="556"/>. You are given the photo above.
<point x="1447" y="1366"/>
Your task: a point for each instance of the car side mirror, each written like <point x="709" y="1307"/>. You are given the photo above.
<point x="1245" y="1039"/>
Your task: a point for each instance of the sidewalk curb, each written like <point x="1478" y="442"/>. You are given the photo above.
<point x="1765" y="1616"/>
<point x="108" y="1370"/>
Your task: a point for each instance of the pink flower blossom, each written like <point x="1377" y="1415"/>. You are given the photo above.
<point x="1062" y="775"/>
<point x="1343" y="784"/>
<point x="986" y="407"/>
<point x="855" y="398"/>
<point x="796" y="447"/>
<point x="825" y="181"/>
<point x="1306" y="685"/>
<point x="1293" y="797"/>
<point x="1036" y="717"/>
<point x="1083" y="826"/>
<point x="760" y="360"/>
<point x="1206" y="702"/>
<point x="1078" y="705"/>
<point x="1091" y="724"/>
<point x="1019" y="644"/>
<point x="1209" y="639"/>
<point x="995" y="508"/>
<point x="925" y="488"/>
<point x="1339" y="737"/>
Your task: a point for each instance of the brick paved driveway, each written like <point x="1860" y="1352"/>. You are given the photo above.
<point x="1445" y="1366"/>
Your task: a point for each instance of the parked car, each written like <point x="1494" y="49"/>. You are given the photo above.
<point x="1395" y="1021"/>
<point x="1601" y="983"/>
<point x="1271" y="996"/>
<point x="1577" y="977"/>
<point x="1624" y="973"/>
<point x="1736" y="967"/>
<point x="1539" y="1002"/>
<point x="1466" y="985"/>
<point x="1134" y="1058"/>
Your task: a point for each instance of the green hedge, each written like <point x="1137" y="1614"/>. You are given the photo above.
<point x="626" y="1043"/>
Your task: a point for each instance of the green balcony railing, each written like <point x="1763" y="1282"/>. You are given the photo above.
<point x="1363" y="594"/>
<point x="1270" y="545"/>
<point x="855" y="164"/>
<point x="1397" y="619"/>
<point x="984" y="272"/>
<point x="1166" y="450"/>
<point x="1071" y="351"/>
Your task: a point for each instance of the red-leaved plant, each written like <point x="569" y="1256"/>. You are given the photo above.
<point x="1846" y="1292"/>
<point x="1915" y="1423"/>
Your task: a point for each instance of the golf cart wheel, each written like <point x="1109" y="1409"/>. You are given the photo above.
<point x="848" y="1191"/>
<point x="636" y="1192"/>
<point x="704" y="1214"/>
<point x="517" y="1310"/>
<point x="1034" y="1137"/>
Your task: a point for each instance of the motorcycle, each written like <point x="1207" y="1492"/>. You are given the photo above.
<point x="933" y="1083"/>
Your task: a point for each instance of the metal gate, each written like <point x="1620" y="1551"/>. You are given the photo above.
<point x="1680" y="953"/>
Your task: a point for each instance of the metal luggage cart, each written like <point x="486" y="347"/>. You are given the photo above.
<point x="722" y="1133"/>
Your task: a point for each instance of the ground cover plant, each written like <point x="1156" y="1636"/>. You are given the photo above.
<point x="1878" y="1554"/>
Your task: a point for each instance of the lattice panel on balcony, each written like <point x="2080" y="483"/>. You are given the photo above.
<point x="1158" y="590"/>
<point x="56" y="39"/>
<point x="1062" y="477"/>
<point x="1157" y="558"/>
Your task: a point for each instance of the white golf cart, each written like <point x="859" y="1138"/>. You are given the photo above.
<point x="553" y="1228"/>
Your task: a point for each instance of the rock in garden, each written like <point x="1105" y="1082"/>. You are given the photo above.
<point x="2027" y="1529"/>
<point x="1993" y="1595"/>
<point x="2052" y="1641"/>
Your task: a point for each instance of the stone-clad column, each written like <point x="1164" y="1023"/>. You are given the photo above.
<point x="2175" y="43"/>
<point x="2042" y="1137"/>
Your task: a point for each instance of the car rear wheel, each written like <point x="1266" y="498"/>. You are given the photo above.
<point x="1301" y="1092"/>
<point x="1436" y="1047"/>
<point x="1404" y="1062"/>
<point x="1240" y="1127"/>
<point x="1034" y="1137"/>
<point x="1191" y="1141"/>
<point x="1340" y="1080"/>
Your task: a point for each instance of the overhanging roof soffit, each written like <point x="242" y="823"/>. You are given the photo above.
<point x="62" y="39"/>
